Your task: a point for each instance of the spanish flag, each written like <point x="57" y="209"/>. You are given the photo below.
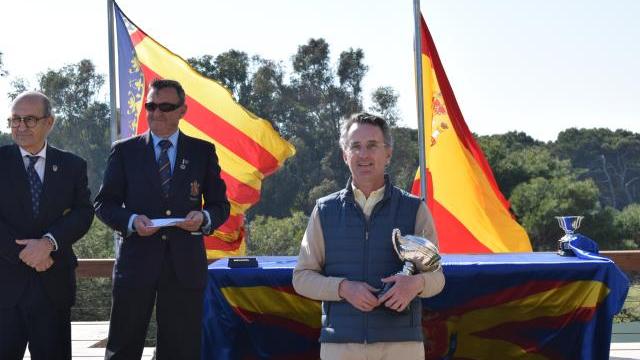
<point x="248" y="147"/>
<point x="470" y="213"/>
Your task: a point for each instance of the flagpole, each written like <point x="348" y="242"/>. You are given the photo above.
<point x="112" y="72"/>
<point x="420" y="99"/>
<point x="117" y="238"/>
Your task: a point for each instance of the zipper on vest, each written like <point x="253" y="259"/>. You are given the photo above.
<point x="365" y="260"/>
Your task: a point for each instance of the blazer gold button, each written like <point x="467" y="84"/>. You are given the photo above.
<point x="168" y="212"/>
<point x="164" y="237"/>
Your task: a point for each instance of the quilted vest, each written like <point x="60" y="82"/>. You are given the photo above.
<point x="361" y="250"/>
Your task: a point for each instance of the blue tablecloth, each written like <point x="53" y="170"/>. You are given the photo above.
<point x="533" y="305"/>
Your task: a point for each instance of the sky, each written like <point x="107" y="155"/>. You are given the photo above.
<point x="534" y="66"/>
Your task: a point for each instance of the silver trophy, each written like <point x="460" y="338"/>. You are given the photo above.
<point x="417" y="253"/>
<point x="569" y="224"/>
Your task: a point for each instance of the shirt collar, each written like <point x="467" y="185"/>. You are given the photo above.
<point x="359" y="194"/>
<point x="173" y="138"/>
<point x="42" y="153"/>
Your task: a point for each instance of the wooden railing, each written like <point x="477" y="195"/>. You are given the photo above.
<point x="627" y="260"/>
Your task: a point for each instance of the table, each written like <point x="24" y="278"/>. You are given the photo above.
<point x="494" y="306"/>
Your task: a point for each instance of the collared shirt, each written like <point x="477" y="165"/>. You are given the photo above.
<point x="307" y="275"/>
<point x="39" y="166"/>
<point x="171" y="152"/>
<point x="367" y="203"/>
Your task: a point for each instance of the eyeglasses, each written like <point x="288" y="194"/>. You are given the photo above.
<point x="28" y="120"/>
<point x="164" y="107"/>
<point x="373" y="146"/>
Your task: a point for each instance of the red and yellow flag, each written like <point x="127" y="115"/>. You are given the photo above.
<point x="248" y="147"/>
<point x="470" y="212"/>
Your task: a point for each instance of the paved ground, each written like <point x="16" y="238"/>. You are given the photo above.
<point x="625" y="341"/>
<point x="89" y="341"/>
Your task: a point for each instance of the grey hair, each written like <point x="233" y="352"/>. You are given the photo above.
<point x="365" y="118"/>
<point x="47" y="108"/>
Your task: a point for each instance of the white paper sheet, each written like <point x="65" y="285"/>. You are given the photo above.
<point x="165" y="222"/>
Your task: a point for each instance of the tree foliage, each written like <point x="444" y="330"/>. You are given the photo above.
<point x="538" y="201"/>
<point x="611" y="158"/>
<point x="274" y="236"/>
<point x="628" y="223"/>
<point x="3" y="72"/>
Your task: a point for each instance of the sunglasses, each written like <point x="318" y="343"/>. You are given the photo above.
<point x="164" y="107"/>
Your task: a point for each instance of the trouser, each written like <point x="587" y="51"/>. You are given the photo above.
<point x="36" y="321"/>
<point x="178" y="314"/>
<point x="405" y="350"/>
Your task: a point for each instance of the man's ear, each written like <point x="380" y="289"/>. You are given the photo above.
<point x="50" y="121"/>
<point x="389" y="153"/>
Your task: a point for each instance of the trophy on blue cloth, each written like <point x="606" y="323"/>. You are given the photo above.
<point x="418" y="254"/>
<point x="569" y="224"/>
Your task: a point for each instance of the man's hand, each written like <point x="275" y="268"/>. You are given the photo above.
<point x="35" y="251"/>
<point x="402" y="292"/>
<point x="192" y="221"/>
<point x="359" y="294"/>
<point x="44" y="265"/>
<point x="143" y="227"/>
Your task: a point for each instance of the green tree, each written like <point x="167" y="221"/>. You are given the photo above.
<point x="628" y="223"/>
<point x="498" y="146"/>
<point x="5" y="139"/>
<point x="611" y="158"/>
<point x="385" y="103"/>
<point x="273" y="236"/>
<point x="93" y="298"/>
<point x="520" y="166"/>
<point x="404" y="161"/>
<point x="3" y="72"/>
<point x="97" y="243"/>
<point x="230" y="68"/>
<point x="538" y="201"/>
<point x="18" y="86"/>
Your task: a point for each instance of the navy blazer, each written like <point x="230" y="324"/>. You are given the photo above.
<point x="132" y="186"/>
<point x="65" y="212"/>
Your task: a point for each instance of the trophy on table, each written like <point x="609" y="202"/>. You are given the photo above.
<point x="417" y="253"/>
<point x="569" y="224"/>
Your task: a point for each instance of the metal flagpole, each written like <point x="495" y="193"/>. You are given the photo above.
<point x="420" y="100"/>
<point x="112" y="72"/>
<point x="117" y="238"/>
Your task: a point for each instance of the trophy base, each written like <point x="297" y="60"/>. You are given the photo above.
<point x="564" y="249"/>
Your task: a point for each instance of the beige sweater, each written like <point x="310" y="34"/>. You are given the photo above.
<point x="307" y="277"/>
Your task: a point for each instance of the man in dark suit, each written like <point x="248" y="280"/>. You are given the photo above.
<point x="45" y="208"/>
<point x="161" y="174"/>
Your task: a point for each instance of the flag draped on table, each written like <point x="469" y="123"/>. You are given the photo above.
<point x="248" y="147"/>
<point x="495" y="306"/>
<point x="470" y="212"/>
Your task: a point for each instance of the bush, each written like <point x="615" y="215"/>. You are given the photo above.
<point x="273" y="236"/>
<point x="628" y="223"/>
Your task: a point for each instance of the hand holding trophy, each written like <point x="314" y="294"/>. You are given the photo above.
<point x="417" y="253"/>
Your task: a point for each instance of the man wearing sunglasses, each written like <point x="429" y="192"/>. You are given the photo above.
<point x="160" y="174"/>
<point x="45" y="208"/>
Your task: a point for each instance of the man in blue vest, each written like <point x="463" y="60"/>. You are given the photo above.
<point x="346" y="255"/>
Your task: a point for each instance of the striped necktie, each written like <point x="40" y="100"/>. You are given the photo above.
<point x="164" y="167"/>
<point x="35" y="184"/>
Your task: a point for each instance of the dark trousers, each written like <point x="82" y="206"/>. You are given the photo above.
<point x="178" y="314"/>
<point x="35" y="320"/>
